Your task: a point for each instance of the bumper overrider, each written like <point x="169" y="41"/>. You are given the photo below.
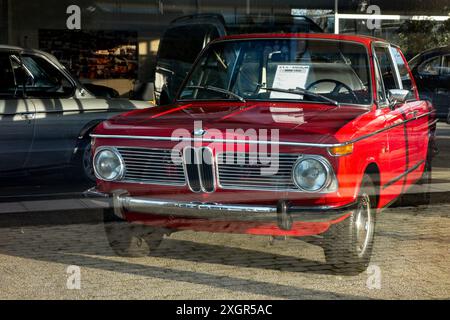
<point x="283" y="213"/>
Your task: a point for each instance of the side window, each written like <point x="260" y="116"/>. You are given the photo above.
<point x="381" y="94"/>
<point x="430" y="67"/>
<point x="387" y="68"/>
<point x="446" y="66"/>
<point x="10" y="79"/>
<point x="404" y="73"/>
<point x="46" y="80"/>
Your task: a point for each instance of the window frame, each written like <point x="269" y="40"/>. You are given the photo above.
<point x="19" y="92"/>
<point x="444" y="56"/>
<point x="367" y="50"/>
<point x="58" y="70"/>
<point x="397" y="78"/>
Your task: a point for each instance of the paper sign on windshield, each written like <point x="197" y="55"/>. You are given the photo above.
<point x="289" y="76"/>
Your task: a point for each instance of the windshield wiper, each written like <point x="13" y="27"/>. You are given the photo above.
<point x="220" y="90"/>
<point x="303" y="92"/>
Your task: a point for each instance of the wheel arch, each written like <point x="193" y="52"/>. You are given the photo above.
<point x="86" y="130"/>
<point x="373" y="170"/>
<point x="84" y="133"/>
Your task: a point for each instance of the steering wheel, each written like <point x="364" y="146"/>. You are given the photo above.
<point x="338" y="86"/>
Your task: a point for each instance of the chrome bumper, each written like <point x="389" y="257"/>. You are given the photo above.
<point x="283" y="214"/>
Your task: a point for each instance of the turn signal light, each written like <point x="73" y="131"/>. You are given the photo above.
<point x="341" y="150"/>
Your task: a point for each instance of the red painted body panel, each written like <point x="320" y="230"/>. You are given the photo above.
<point x="315" y="123"/>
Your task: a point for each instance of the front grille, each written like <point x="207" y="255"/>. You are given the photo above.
<point x="244" y="171"/>
<point x="207" y="169"/>
<point x="192" y="172"/>
<point x="199" y="166"/>
<point x="153" y="166"/>
<point x="196" y="167"/>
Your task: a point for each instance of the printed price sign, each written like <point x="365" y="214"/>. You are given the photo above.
<point x="289" y="76"/>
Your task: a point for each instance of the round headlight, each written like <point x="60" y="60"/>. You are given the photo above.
<point x="311" y="174"/>
<point x="108" y="165"/>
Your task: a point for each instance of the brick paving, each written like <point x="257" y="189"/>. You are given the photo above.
<point x="411" y="253"/>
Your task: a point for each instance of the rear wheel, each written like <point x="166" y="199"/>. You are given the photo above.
<point x="348" y="244"/>
<point x="130" y="240"/>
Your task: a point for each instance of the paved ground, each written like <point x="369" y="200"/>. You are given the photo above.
<point x="411" y="257"/>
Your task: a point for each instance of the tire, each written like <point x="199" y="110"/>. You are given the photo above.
<point x="348" y="244"/>
<point x="420" y="193"/>
<point x="130" y="240"/>
<point x="83" y="167"/>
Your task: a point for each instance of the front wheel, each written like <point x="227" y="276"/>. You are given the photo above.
<point x="83" y="167"/>
<point x="130" y="240"/>
<point x="348" y="244"/>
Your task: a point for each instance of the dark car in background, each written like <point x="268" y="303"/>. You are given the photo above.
<point x="46" y="115"/>
<point x="431" y="69"/>
<point x="188" y="35"/>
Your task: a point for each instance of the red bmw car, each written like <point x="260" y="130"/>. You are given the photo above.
<point x="282" y="135"/>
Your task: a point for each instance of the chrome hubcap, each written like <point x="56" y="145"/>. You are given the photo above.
<point x="363" y="225"/>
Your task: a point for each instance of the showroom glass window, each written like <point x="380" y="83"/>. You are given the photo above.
<point x="404" y="73"/>
<point x="46" y="81"/>
<point x="245" y="67"/>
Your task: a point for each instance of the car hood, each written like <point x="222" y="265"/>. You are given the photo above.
<point x="305" y="122"/>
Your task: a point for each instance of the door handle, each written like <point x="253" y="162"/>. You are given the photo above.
<point x="27" y="116"/>
<point x="413" y="113"/>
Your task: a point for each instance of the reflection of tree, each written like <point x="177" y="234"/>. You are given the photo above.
<point x="417" y="36"/>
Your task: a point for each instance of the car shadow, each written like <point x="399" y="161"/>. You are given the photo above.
<point x="85" y="245"/>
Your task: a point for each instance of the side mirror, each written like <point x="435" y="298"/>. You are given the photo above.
<point x="397" y="96"/>
<point x="144" y="91"/>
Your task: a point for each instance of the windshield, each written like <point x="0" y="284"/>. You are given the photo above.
<point x="266" y="69"/>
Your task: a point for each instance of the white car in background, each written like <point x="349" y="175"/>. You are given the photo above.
<point x="46" y="115"/>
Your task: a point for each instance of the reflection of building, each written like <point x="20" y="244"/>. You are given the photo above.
<point x="93" y="54"/>
<point x="22" y="22"/>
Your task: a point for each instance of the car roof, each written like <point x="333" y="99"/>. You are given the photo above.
<point x="366" y="40"/>
<point x="4" y="47"/>
<point x="437" y="51"/>
<point x="230" y="21"/>
<point x="9" y="48"/>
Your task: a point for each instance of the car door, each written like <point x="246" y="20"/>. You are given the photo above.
<point x="417" y="114"/>
<point x="431" y="85"/>
<point x="397" y="133"/>
<point x="442" y="92"/>
<point x="16" y="115"/>
<point x="51" y="93"/>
